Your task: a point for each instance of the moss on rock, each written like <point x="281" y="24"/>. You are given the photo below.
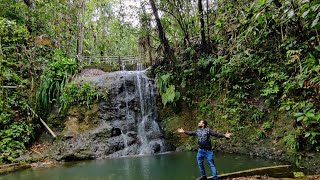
<point x="80" y="119"/>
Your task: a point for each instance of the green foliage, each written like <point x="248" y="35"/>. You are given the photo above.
<point x="264" y="130"/>
<point x="13" y="10"/>
<point x="264" y="57"/>
<point x="75" y="94"/>
<point x="170" y="95"/>
<point x="162" y="82"/>
<point x="232" y="110"/>
<point x="16" y="127"/>
<point x="308" y="116"/>
<point x="13" y="140"/>
<point x="307" y="120"/>
<point x="54" y="80"/>
<point x="168" y="92"/>
<point x="55" y="22"/>
<point x="273" y="85"/>
<point x="107" y="33"/>
<point x="298" y="174"/>
<point x="206" y="109"/>
<point x="294" y="145"/>
<point x="12" y="39"/>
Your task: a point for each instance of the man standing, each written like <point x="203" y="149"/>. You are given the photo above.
<point x="205" y="147"/>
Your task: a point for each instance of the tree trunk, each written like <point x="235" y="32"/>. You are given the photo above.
<point x="145" y="22"/>
<point x="81" y="34"/>
<point x="203" y="36"/>
<point x="182" y="22"/>
<point x="149" y="50"/>
<point x="28" y="2"/>
<point x="208" y="26"/>
<point x="167" y="50"/>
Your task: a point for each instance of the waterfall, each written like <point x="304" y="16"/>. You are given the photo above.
<point x="125" y="142"/>
<point x="123" y="67"/>
<point x="140" y="66"/>
<point x="132" y="99"/>
<point x="147" y="125"/>
<point x="123" y="125"/>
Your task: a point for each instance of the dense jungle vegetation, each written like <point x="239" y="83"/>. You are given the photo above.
<point x="239" y="62"/>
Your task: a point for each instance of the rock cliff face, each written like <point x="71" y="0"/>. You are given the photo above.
<point x="124" y="125"/>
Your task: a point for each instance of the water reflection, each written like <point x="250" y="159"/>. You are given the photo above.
<point x="178" y="165"/>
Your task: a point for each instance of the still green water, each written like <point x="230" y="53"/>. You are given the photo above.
<point x="171" y="166"/>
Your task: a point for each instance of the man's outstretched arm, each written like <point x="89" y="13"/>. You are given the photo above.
<point x="219" y="135"/>
<point x="190" y="133"/>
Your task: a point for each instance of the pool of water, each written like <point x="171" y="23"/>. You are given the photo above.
<point x="169" y="166"/>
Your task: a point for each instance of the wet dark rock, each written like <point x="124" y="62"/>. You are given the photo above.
<point x="115" y="132"/>
<point x="124" y="125"/>
<point x="155" y="147"/>
<point x="29" y="157"/>
<point x="89" y="145"/>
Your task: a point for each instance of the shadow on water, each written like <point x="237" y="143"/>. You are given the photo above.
<point x="176" y="165"/>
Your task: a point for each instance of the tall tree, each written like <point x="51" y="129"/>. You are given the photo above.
<point x="208" y="23"/>
<point x="145" y="40"/>
<point x="202" y="28"/>
<point x="162" y="36"/>
<point x="81" y="33"/>
<point x="180" y="11"/>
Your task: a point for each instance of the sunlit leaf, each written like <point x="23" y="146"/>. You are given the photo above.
<point x="247" y="9"/>
<point x="298" y="114"/>
<point x="261" y="19"/>
<point x="310" y="115"/>
<point x="300" y="118"/>
<point x="305" y="13"/>
<point x="262" y="2"/>
<point x="314" y="22"/>
<point x="291" y="13"/>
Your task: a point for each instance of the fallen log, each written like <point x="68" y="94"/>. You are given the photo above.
<point x="272" y="171"/>
<point x="7" y="168"/>
<point x="42" y="121"/>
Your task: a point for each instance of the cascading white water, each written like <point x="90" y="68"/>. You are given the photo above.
<point x="125" y="139"/>
<point x="147" y="125"/>
<point x="134" y="102"/>
<point x="123" y="135"/>
<point x="140" y="66"/>
<point x="123" y="67"/>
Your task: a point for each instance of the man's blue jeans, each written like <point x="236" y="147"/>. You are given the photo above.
<point x="208" y="154"/>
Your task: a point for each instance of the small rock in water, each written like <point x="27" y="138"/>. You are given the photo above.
<point x="179" y="149"/>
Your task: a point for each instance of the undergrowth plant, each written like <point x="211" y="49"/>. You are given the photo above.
<point x="79" y="94"/>
<point x="54" y="80"/>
